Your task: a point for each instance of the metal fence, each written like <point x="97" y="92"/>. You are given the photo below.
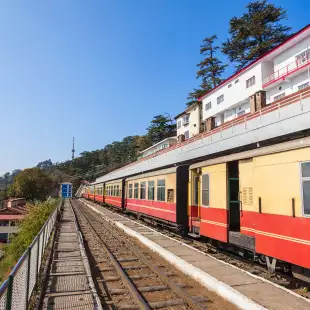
<point x="16" y="291"/>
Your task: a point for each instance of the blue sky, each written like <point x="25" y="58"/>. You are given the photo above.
<point x="100" y="70"/>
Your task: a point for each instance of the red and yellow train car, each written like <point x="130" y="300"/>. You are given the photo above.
<point x="159" y="195"/>
<point x="153" y="194"/>
<point x="257" y="200"/>
<point x="113" y="193"/>
<point x="98" y="190"/>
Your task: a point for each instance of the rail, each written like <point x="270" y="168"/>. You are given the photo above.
<point x="16" y="291"/>
<point x="287" y="70"/>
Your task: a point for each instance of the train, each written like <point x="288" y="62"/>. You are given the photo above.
<point x="255" y="202"/>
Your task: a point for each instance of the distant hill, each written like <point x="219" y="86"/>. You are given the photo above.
<point x="90" y="165"/>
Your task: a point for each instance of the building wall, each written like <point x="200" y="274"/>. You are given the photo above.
<point x="234" y="95"/>
<point x="193" y="125"/>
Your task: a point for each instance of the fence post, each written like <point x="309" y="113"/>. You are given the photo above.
<point x="28" y="275"/>
<point x="38" y="254"/>
<point x="9" y="293"/>
<point x="42" y="250"/>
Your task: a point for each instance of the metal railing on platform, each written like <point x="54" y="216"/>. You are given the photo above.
<point x="16" y="291"/>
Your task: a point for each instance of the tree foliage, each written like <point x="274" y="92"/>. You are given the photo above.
<point x="210" y="69"/>
<point x="256" y="32"/>
<point x="31" y="184"/>
<point x="161" y="127"/>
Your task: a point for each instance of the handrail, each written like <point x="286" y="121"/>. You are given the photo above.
<point x="286" y="70"/>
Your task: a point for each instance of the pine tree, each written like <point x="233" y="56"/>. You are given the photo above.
<point x="161" y="127"/>
<point x="255" y="33"/>
<point x="210" y="69"/>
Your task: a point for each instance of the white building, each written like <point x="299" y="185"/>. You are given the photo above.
<point x="189" y="122"/>
<point x="280" y="72"/>
<point x="158" y="147"/>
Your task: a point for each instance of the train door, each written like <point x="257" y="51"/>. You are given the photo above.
<point x="233" y="196"/>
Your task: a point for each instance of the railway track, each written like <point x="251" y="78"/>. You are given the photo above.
<point x="129" y="276"/>
<point x="280" y="278"/>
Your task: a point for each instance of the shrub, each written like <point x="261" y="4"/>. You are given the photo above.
<point x="29" y="227"/>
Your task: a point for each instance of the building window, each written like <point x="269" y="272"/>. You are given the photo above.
<point x="302" y="86"/>
<point x="208" y="106"/>
<point x="185" y="119"/>
<point x="136" y="191"/>
<point x="305" y="185"/>
<point x="205" y="193"/>
<point x="130" y="191"/>
<point x="142" y="190"/>
<point x="279" y="96"/>
<point x="220" y="99"/>
<point x="179" y="124"/>
<point x="229" y="85"/>
<point x="161" y="190"/>
<point x="150" y="190"/>
<point x="250" y="82"/>
<point x="303" y="57"/>
<point x="240" y="113"/>
<point x="186" y="134"/>
<point x="237" y="81"/>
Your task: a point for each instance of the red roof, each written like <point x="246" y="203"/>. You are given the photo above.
<point x="256" y="61"/>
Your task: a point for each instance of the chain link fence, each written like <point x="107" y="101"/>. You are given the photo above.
<point x="16" y="291"/>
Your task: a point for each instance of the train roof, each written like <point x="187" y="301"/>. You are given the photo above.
<point x="271" y="149"/>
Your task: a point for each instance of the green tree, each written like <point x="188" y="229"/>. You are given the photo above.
<point x="161" y="127"/>
<point x="31" y="184"/>
<point x="210" y="70"/>
<point x="255" y="33"/>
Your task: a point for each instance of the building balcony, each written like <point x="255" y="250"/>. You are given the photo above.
<point x="291" y="69"/>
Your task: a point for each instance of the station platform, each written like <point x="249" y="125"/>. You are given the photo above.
<point x="69" y="284"/>
<point x="241" y="288"/>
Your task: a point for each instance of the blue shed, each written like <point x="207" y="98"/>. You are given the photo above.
<point x="66" y="190"/>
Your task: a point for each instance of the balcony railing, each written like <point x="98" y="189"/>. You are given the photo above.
<point x="287" y="70"/>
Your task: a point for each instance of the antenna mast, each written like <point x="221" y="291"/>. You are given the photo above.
<point x="73" y="150"/>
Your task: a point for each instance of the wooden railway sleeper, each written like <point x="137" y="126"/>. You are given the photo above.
<point x="133" y="291"/>
<point x="178" y="290"/>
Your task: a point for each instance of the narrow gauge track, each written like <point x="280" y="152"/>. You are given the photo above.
<point x="279" y="278"/>
<point x="131" y="277"/>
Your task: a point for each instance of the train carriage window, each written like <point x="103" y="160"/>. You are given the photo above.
<point x="142" y="190"/>
<point x="196" y="190"/>
<point x="117" y="190"/>
<point x="161" y="190"/>
<point x="136" y="191"/>
<point x="150" y="190"/>
<point x="305" y="183"/>
<point x="114" y="190"/>
<point x="130" y="191"/>
<point x="205" y="192"/>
